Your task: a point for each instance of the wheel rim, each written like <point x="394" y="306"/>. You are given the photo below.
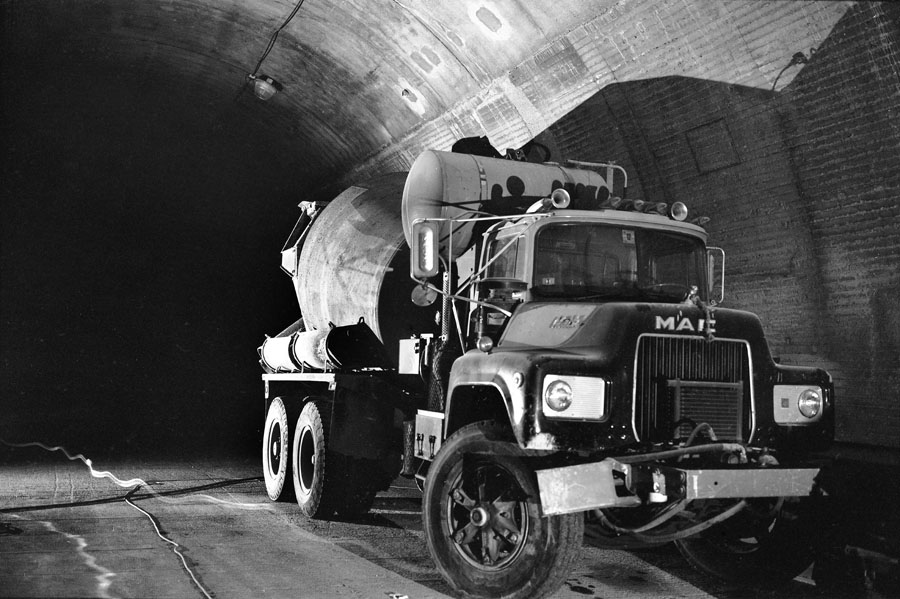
<point x="306" y="459"/>
<point x="487" y="516"/>
<point x="275" y="449"/>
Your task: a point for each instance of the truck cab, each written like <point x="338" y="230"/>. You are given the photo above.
<point x="609" y="318"/>
<point x="596" y="372"/>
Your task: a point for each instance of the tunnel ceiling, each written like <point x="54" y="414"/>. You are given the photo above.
<point x="371" y="82"/>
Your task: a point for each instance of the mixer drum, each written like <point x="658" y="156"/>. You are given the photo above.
<point x="355" y="263"/>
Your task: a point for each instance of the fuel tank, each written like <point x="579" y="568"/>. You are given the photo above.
<point x="451" y="185"/>
<point x="354" y="263"/>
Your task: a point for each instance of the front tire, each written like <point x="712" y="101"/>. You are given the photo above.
<point x="482" y="521"/>
<point x="276" y="451"/>
<point x="767" y="544"/>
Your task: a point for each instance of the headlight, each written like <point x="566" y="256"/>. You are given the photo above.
<point x="570" y="397"/>
<point x="810" y="402"/>
<point x="558" y="395"/>
<point x="797" y="404"/>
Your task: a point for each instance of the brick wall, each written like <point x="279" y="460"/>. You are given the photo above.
<point x="803" y="189"/>
<point x="844" y="137"/>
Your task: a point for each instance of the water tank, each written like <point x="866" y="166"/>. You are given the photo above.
<point x="451" y="185"/>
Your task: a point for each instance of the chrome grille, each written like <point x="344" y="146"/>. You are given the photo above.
<point x="717" y="404"/>
<point x="690" y="378"/>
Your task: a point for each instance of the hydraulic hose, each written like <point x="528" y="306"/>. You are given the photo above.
<point x="666" y="515"/>
<point x="682" y="451"/>
<point x="666" y="538"/>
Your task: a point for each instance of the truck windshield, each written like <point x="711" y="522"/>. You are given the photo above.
<point x="586" y="261"/>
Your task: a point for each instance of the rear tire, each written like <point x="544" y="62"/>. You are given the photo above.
<point x="482" y="520"/>
<point x="314" y="473"/>
<point x="276" y="451"/>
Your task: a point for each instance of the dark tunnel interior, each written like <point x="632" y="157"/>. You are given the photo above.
<point x="140" y="257"/>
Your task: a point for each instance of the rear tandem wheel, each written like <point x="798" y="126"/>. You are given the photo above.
<point x="324" y="481"/>
<point x="276" y="448"/>
<point x="312" y="469"/>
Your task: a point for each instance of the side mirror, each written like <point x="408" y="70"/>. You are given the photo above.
<point x="423" y="262"/>
<point x="715" y="259"/>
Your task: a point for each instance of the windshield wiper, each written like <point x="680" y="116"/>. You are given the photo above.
<point x="620" y="293"/>
<point x="670" y="291"/>
<point x="586" y="293"/>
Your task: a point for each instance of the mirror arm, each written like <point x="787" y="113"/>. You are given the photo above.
<point x="469" y="300"/>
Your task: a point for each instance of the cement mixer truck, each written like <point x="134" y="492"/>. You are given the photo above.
<point x="538" y="351"/>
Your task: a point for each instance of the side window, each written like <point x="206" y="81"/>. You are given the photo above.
<point x="503" y="265"/>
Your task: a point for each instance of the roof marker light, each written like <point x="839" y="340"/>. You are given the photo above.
<point x="660" y="208"/>
<point x="678" y="211"/>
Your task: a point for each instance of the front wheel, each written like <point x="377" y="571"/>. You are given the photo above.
<point x="482" y="521"/>
<point x="768" y="543"/>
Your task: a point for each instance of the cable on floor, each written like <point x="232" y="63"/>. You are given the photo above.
<point x="175" y="546"/>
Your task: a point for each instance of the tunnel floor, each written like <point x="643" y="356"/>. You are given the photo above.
<point x="205" y="528"/>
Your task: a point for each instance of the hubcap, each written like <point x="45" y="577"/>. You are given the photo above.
<point x="487" y="516"/>
<point x="306" y="459"/>
<point x="275" y="459"/>
<point x="479" y="516"/>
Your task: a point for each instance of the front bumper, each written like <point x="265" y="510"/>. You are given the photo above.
<point x="610" y="484"/>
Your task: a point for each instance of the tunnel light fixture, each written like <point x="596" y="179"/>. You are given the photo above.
<point x="797" y="58"/>
<point x="264" y="87"/>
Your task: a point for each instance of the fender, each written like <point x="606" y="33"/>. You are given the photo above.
<point x="477" y="376"/>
